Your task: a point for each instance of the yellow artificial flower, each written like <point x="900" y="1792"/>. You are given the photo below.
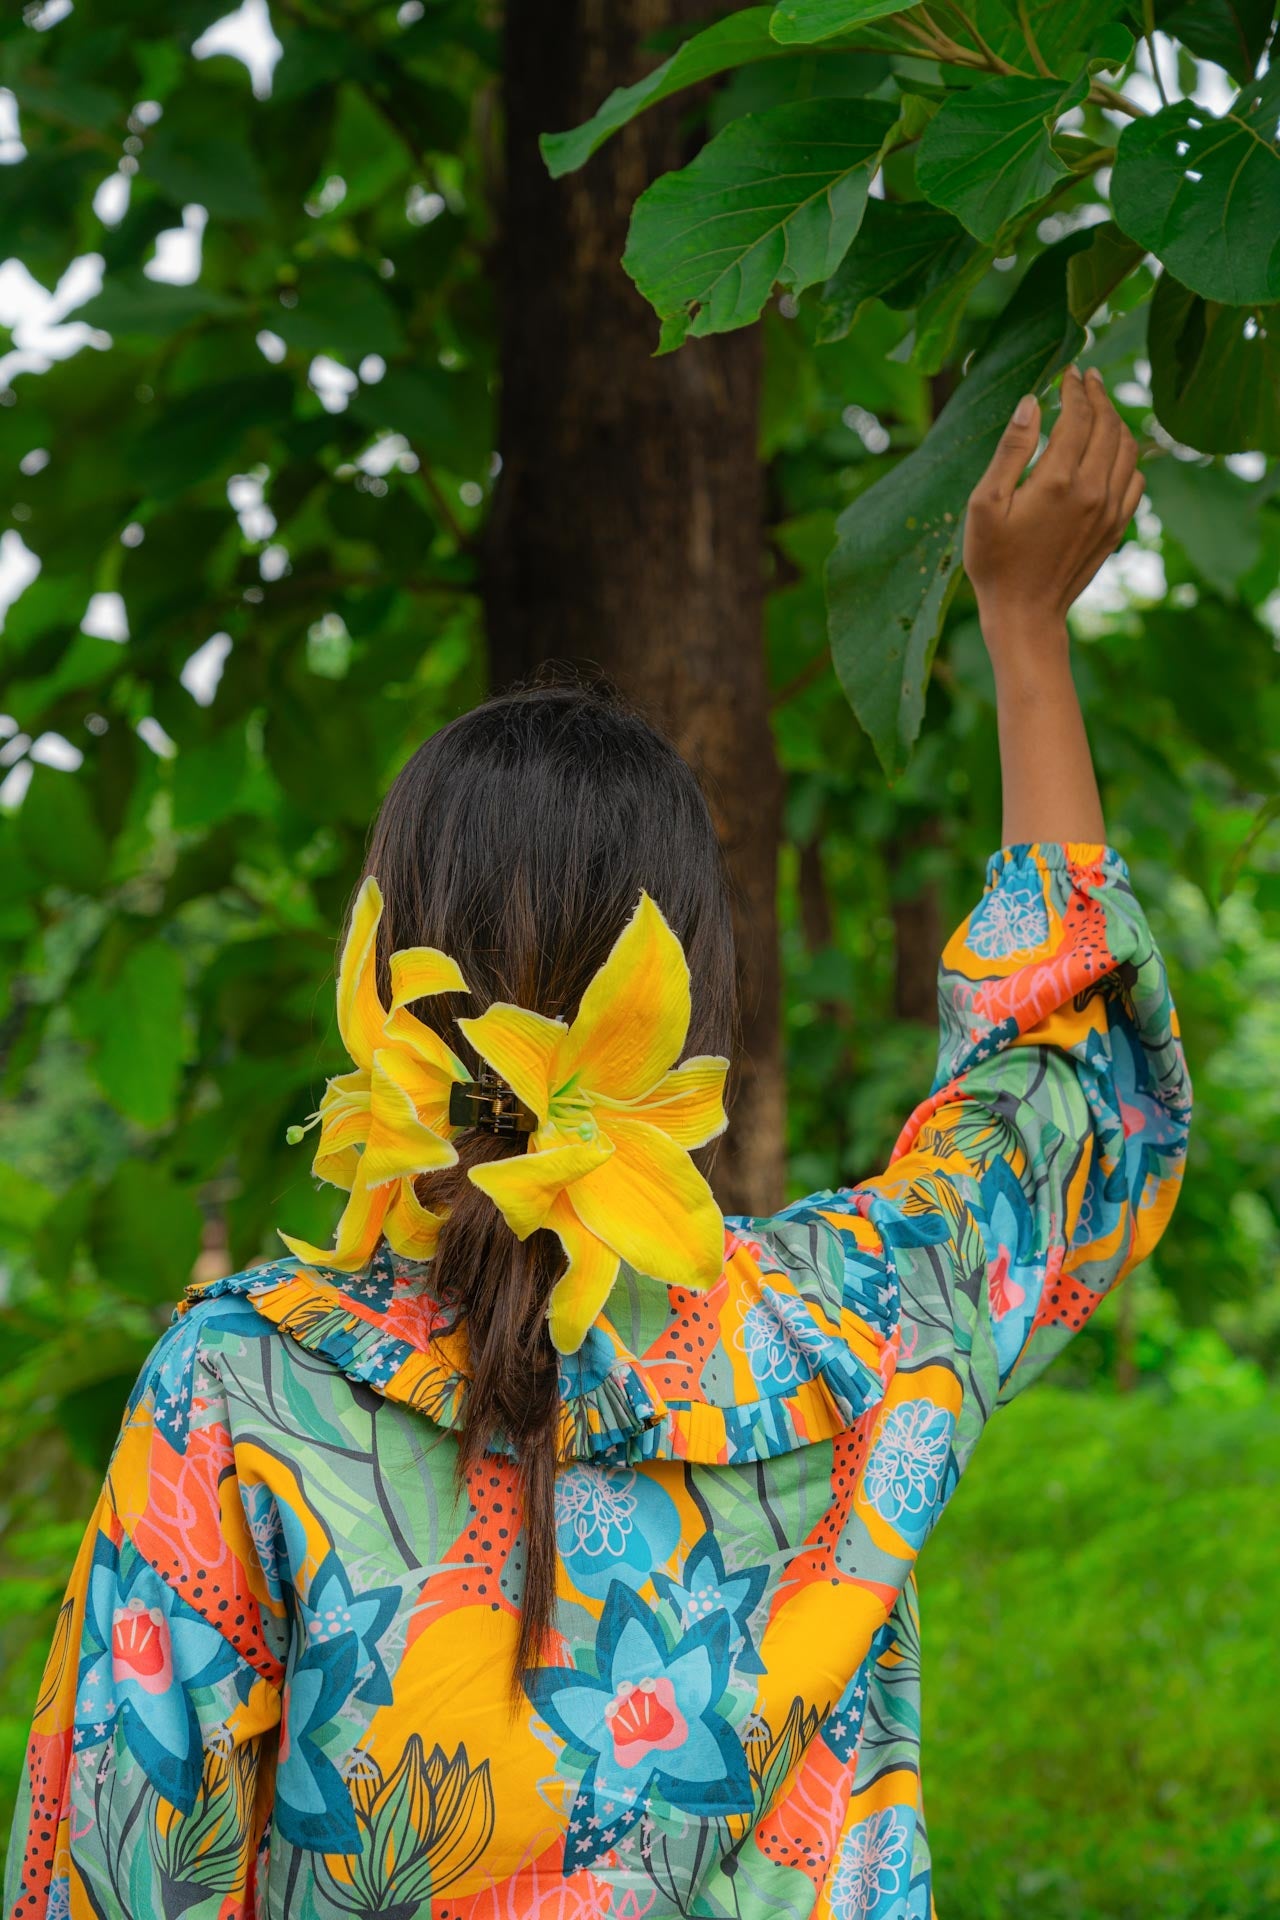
<point x="608" y="1168"/>
<point x="388" y="1120"/>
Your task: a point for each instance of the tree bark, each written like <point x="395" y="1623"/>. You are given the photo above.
<point x="626" y="526"/>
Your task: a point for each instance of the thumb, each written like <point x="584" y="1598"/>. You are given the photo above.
<point x="1017" y="444"/>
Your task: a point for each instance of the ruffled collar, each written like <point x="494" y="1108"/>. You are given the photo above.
<point x="748" y="1370"/>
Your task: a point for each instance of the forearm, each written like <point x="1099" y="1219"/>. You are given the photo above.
<point x="1050" y="791"/>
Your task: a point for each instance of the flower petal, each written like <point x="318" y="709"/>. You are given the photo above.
<point x="427" y="1086"/>
<point x="419" y="971"/>
<point x="634" y="1016"/>
<point x="652" y="1206"/>
<point x="405" y="1031"/>
<point x="519" y="1045"/>
<point x="399" y="1143"/>
<point x="411" y="1229"/>
<point x="359" y="1231"/>
<point x="524" y="1187"/>
<point x="687" y="1104"/>
<point x="582" y="1289"/>
<point x="360" y="1011"/>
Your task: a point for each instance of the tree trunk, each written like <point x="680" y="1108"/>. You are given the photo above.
<point x="626" y="527"/>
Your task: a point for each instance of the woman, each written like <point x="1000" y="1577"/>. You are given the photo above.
<point x="391" y="1606"/>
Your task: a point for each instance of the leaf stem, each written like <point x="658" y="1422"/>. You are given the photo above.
<point x="1149" y="35"/>
<point x="1033" y="47"/>
<point x="1101" y="95"/>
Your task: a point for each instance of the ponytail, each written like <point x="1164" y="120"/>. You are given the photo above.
<point x="502" y="1285"/>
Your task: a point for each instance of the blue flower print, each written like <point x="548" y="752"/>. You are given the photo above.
<point x="705" y="1588"/>
<point x="1012" y="919"/>
<point x="1016" y="1268"/>
<point x="143" y="1649"/>
<point x="869" y="1877"/>
<point x="333" y="1611"/>
<point x="612" y="1524"/>
<point x="338" y="1632"/>
<point x="908" y="1464"/>
<point x="647" y="1722"/>
<point x="312" y="1803"/>
<point x="783" y="1345"/>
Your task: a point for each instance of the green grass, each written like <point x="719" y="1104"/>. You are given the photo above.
<point x="1100" y="1642"/>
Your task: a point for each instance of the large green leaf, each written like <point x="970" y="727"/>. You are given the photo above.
<point x="799" y="22"/>
<point x="205" y="429"/>
<point x="1215" y="371"/>
<point x="129" y="303"/>
<point x="1213" y="515"/>
<point x="135" y="1018"/>
<point x="894" y="566"/>
<point x="341" y="309"/>
<point x="1217" y="664"/>
<point x="1232" y="32"/>
<point x="903" y="250"/>
<point x="1098" y="269"/>
<point x="144" y="1233"/>
<point x="1203" y="194"/>
<point x="733" y="42"/>
<point x="987" y="154"/>
<point x="774" y="199"/>
<point x="213" y="170"/>
<point x="58" y="832"/>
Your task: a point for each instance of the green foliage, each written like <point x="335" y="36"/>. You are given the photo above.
<point x="1096" y="1746"/>
<point x="895" y="563"/>
<point x="773" y="200"/>
<point x="1008" y="123"/>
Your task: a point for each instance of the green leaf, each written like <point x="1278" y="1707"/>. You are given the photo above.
<point x="776" y="198"/>
<point x="938" y="319"/>
<point x="894" y="566"/>
<point x="208" y="780"/>
<point x="144" y="1233"/>
<point x="58" y="832"/>
<point x="447" y="417"/>
<point x="24" y="1203"/>
<point x="199" y="432"/>
<point x="1212" y="514"/>
<point x="135" y="1019"/>
<point x="1268" y="813"/>
<point x="1215" y="371"/>
<point x="800" y="22"/>
<point x="1097" y="270"/>
<point x="342" y="309"/>
<point x="130" y="304"/>
<point x="214" y="170"/>
<point x="987" y="153"/>
<point x="903" y="250"/>
<point x="1216" y="664"/>
<point x="1232" y="32"/>
<point x="1203" y="194"/>
<point x="733" y="42"/>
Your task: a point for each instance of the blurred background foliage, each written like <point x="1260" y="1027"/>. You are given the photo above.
<point x="248" y="447"/>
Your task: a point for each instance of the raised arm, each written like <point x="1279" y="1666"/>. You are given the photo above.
<point x="1030" y="551"/>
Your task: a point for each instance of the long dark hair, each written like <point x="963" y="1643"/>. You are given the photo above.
<point x="518" y="839"/>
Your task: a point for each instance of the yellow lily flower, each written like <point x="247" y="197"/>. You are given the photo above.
<point x="608" y="1167"/>
<point x="389" y="1119"/>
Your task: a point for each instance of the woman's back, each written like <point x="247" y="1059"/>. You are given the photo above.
<point x="389" y="1608"/>
<point x="306" y="1626"/>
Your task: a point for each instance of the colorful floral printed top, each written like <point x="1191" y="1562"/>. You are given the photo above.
<point x="278" y="1684"/>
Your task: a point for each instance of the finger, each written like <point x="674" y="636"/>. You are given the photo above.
<point x="1093" y="476"/>
<point x="1070" y="435"/>
<point x="1133" y="492"/>
<point x="1123" y="467"/>
<point x="1017" y="444"/>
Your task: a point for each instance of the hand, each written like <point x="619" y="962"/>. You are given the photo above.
<point x="1031" y="550"/>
